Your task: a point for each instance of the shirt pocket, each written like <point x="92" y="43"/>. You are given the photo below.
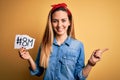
<point x="68" y="62"/>
<point x="69" y="59"/>
<point x="68" y="66"/>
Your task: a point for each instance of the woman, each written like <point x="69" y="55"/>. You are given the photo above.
<point x="60" y="55"/>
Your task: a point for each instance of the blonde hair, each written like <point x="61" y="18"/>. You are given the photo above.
<point x="47" y="41"/>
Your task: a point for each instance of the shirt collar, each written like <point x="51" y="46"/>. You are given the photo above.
<point x="67" y="41"/>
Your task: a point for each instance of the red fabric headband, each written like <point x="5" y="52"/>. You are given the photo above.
<point x="63" y="5"/>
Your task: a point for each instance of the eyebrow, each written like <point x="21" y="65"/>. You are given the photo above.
<point x="57" y="19"/>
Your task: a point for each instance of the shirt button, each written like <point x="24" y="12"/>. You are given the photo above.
<point x="73" y="59"/>
<point x="56" y="78"/>
<point x="64" y="57"/>
<point x="56" y="68"/>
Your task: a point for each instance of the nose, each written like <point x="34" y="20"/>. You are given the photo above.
<point x="59" y="23"/>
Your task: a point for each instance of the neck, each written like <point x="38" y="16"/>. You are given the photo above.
<point x="61" y="39"/>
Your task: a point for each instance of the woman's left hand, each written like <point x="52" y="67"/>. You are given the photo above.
<point x="96" y="56"/>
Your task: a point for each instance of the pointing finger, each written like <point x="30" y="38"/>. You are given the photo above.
<point x="104" y="50"/>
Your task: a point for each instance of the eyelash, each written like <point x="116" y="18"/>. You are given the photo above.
<point x="54" y="21"/>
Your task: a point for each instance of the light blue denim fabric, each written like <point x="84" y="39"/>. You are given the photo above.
<point x="66" y="61"/>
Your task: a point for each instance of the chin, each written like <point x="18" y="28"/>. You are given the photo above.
<point x="60" y="33"/>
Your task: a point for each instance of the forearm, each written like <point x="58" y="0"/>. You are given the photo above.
<point x="95" y="57"/>
<point x="88" y="67"/>
<point x="32" y="63"/>
<point x="86" y="70"/>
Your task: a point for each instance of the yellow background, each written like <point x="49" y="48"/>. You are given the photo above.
<point x="97" y="25"/>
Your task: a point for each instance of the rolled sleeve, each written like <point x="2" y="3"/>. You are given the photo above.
<point x="80" y="64"/>
<point x="80" y="75"/>
<point x="34" y="72"/>
<point x="37" y="72"/>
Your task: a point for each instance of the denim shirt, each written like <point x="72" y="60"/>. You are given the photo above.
<point x="65" y="63"/>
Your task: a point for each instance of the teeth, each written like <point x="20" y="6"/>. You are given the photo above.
<point x="59" y="29"/>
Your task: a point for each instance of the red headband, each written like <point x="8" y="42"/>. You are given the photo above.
<point x="63" y="5"/>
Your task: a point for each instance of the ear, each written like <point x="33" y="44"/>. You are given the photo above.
<point x="69" y="23"/>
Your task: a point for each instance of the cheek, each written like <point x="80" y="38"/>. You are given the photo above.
<point x="54" y="24"/>
<point x="67" y="25"/>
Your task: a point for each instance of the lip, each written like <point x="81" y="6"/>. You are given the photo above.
<point x="59" y="29"/>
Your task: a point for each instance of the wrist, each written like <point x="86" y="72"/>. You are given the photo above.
<point x="91" y="63"/>
<point x="30" y="58"/>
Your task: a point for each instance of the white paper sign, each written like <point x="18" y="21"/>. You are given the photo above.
<point x="24" y="41"/>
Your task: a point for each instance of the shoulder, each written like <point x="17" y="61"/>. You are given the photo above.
<point x="76" y="43"/>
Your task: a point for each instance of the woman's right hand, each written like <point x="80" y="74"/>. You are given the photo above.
<point x="24" y="54"/>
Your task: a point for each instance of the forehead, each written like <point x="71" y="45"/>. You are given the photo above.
<point x="59" y="14"/>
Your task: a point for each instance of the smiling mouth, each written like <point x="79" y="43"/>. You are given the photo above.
<point x="59" y="29"/>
